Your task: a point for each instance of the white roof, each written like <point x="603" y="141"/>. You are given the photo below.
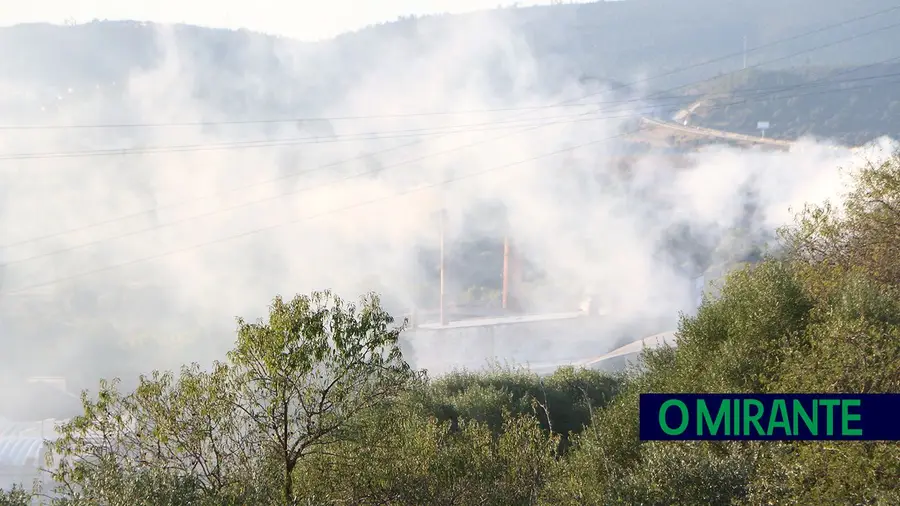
<point x="504" y="320"/>
<point x="654" y="341"/>
<point x="21" y="442"/>
<point x="20" y="451"/>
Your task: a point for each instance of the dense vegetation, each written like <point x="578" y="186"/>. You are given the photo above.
<point x="316" y="406"/>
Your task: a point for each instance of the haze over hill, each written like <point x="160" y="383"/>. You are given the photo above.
<point x="133" y="247"/>
<point x="609" y="40"/>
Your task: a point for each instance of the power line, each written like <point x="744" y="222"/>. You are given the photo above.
<point x="435" y="154"/>
<point x="312" y="188"/>
<point x="415" y="132"/>
<point x="567" y="103"/>
<point x="318" y="215"/>
<point x="352" y="176"/>
<point x="460" y="112"/>
<point x="855" y="36"/>
<point x="675" y="98"/>
<point x="798" y="53"/>
<point x="845" y="39"/>
<point x="366" y="155"/>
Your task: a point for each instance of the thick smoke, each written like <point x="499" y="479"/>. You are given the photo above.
<point x="115" y="262"/>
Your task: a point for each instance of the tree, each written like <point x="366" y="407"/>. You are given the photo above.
<point x="171" y="441"/>
<point x="15" y="496"/>
<point x="405" y="458"/>
<point x="860" y="235"/>
<point x="312" y="369"/>
<point x="822" y="316"/>
<point x="294" y="384"/>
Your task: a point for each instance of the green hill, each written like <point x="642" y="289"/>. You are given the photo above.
<point x="852" y="105"/>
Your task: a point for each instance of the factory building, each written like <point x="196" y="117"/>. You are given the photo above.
<point x="453" y="337"/>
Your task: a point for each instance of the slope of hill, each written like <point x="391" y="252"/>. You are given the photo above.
<point x="609" y="40"/>
<point x="615" y="40"/>
<point x="850" y="105"/>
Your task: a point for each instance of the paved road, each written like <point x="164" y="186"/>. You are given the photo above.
<point x="719" y="134"/>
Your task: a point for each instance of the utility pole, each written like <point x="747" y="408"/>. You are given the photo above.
<point x="505" y="297"/>
<point x="443" y="302"/>
<point x="745" y="52"/>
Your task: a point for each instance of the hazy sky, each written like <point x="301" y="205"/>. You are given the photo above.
<point x="304" y="19"/>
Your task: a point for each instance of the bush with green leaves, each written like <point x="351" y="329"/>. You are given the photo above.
<point x="404" y="457"/>
<point x="293" y="385"/>
<point x="563" y="401"/>
<point x="15" y="496"/>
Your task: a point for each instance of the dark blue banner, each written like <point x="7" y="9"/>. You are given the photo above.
<point x="775" y="417"/>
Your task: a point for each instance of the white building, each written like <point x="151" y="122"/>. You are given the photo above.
<point x="23" y="448"/>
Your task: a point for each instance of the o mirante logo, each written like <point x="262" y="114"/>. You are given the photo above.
<point x="770" y="417"/>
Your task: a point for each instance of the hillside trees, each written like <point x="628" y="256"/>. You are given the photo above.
<point x="171" y="440"/>
<point x="293" y="384"/>
<point x="824" y="316"/>
<point x="859" y="235"/>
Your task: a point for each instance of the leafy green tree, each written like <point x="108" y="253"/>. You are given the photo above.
<point x="861" y="234"/>
<point x="406" y="458"/>
<point x="562" y="402"/>
<point x="15" y="496"/>
<point x="234" y="435"/>
<point x="311" y="369"/>
<point x="172" y="441"/>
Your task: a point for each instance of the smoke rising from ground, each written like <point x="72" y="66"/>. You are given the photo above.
<point x="108" y="288"/>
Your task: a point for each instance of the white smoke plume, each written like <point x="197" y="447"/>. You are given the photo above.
<point x="114" y="263"/>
